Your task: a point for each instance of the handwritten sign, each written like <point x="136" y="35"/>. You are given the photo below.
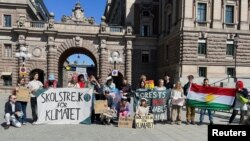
<point x="64" y="106"/>
<point x="101" y="106"/>
<point x="144" y="121"/>
<point x="23" y="95"/>
<point x="125" y="122"/>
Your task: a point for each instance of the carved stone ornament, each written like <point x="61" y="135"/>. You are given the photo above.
<point x="37" y="52"/>
<point x="51" y="21"/>
<point x="129" y="30"/>
<point x="21" y="21"/>
<point x="103" y="41"/>
<point x="77" y="41"/>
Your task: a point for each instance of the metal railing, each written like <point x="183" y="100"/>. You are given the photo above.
<point x="37" y="24"/>
<point x="116" y="29"/>
<point x="227" y="78"/>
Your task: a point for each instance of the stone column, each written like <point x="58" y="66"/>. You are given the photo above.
<point x="103" y="59"/>
<point x="244" y="15"/>
<point x="51" y="57"/>
<point x="128" y="61"/>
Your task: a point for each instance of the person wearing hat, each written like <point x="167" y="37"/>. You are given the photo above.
<point x="123" y="107"/>
<point x="107" y="89"/>
<point x="51" y="82"/>
<point x="143" y="109"/>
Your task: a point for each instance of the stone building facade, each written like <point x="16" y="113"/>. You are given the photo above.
<point x="205" y="38"/>
<point x="51" y="43"/>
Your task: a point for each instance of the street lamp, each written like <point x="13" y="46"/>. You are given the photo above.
<point x="236" y="40"/>
<point x="115" y="58"/>
<point x="24" y="55"/>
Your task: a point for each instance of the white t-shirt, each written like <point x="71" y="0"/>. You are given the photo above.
<point x="177" y="97"/>
<point x="34" y="85"/>
<point x="142" y="111"/>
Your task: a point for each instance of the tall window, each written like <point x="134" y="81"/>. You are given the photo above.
<point x="202" y="72"/>
<point x="201" y="12"/>
<point x="7" y="80"/>
<point x="169" y="22"/>
<point x="145" y="30"/>
<point x="230" y="71"/>
<point x="7" y="50"/>
<point x="7" y="20"/>
<point x="230" y="48"/>
<point x="145" y="56"/>
<point x="202" y="47"/>
<point x="229" y="14"/>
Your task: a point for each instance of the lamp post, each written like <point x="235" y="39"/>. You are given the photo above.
<point x="236" y="40"/>
<point x="24" y="55"/>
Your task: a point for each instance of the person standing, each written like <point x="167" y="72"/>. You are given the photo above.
<point x="177" y="98"/>
<point x="203" y="111"/>
<point x="168" y="86"/>
<point x="160" y="87"/>
<point x="20" y="85"/>
<point x="34" y="85"/>
<point x="81" y="83"/>
<point x="239" y="103"/>
<point x="190" y="114"/>
<point x="73" y="82"/>
<point x="51" y="83"/>
<point x="13" y="112"/>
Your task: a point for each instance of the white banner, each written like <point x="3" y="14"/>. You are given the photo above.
<point x="64" y="106"/>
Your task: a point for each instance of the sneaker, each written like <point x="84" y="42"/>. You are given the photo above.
<point x="192" y="122"/>
<point x="188" y="123"/>
<point x="179" y="122"/>
<point x="24" y="123"/>
<point x="200" y="123"/>
<point x="34" y="123"/>
<point x="6" y="126"/>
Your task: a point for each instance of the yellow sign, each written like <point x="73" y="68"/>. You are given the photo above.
<point x="23" y="71"/>
<point x="23" y="95"/>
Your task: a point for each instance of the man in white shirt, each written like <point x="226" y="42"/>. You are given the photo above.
<point x="34" y="85"/>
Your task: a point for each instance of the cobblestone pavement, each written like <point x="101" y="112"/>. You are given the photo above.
<point x="95" y="132"/>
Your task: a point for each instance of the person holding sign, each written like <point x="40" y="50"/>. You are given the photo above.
<point x="123" y="107"/>
<point x="51" y="83"/>
<point x="143" y="109"/>
<point x="20" y="86"/>
<point x="73" y="82"/>
<point x="34" y="85"/>
<point x="13" y="112"/>
<point x="160" y="87"/>
<point x="177" y="98"/>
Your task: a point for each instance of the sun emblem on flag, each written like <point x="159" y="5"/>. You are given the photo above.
<point x="209" y="98"/>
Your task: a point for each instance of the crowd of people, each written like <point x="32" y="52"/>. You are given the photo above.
<point x="15" y="111"/>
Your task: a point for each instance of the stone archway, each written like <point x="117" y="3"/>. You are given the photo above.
<point x="72" y="46"/>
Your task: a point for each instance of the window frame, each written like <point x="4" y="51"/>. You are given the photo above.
<point x="205" y="73"/>
<point x="233" y="71"/>
<point x="9" y="53"/>
<point x="230" y="42"/>
<point x="148" y="30"/>
<point x="232" y="12"/>
<point x="199" y="13"/>
<point x="5" y="82"/>
<point x="202" y="41"/>
<point x="4" y="23"/>
<point x="145" y="52"/>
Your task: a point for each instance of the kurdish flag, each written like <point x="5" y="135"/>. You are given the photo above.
<point x="214" y="98"/>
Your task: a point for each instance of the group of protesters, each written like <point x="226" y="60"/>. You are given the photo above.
<point x="15" y="111"/>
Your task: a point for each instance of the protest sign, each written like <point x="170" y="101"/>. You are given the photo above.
<point x="23" y="94"/>
<point x="64" y="106"/>
<point x="144" y="121"/>
<point x="149" y="84"/>
<point x="125" y="122"/>
<point x="101" y="106"/>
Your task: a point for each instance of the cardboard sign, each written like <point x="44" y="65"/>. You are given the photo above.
<point x="179" y="101"/>
<point x="144" y="121"/>
<point x="150" y="84"/>
<point x="23" y="95"/>
<point x="125" y="122"/>
<point x="101" y="106"/>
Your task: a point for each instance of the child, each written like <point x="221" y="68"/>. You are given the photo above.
<point x="123" y="107"/>
<point x="143" y="109"/>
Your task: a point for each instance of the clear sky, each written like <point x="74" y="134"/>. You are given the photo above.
<point x="92" y="8"/>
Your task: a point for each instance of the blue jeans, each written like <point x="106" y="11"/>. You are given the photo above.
<point x="24" y="105"/>
<point x="203" y="112"/>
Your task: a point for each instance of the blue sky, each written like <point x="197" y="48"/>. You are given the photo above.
<point x="92" y="8"/>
